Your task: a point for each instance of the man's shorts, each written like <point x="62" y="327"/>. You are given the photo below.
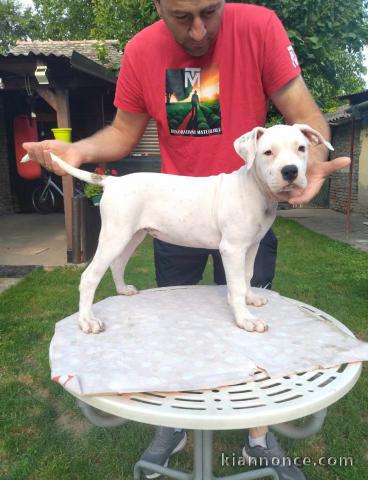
<point x="177" y="265"/>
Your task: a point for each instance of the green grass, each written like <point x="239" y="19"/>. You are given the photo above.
<point x="43" y="435"/>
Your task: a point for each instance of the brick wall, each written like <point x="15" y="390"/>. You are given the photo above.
<point x="339" y="186"/>
<point x="6" y="203"/>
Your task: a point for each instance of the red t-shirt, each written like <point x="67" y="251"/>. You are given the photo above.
<point x="202" y="104"/>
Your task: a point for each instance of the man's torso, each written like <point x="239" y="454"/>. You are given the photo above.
<point x="229" y="81"/>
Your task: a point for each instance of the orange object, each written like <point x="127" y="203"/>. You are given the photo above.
<point x="25" y="130"/>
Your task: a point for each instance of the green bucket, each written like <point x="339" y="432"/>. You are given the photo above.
<point x="62" y="134"/>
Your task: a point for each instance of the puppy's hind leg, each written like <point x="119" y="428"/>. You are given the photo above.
<point x="119" y="263"/>
<point x="108" y="249"/>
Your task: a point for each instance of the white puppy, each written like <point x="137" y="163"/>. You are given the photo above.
<point x="229" y="212"/>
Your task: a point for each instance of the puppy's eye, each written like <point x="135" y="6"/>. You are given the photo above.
<point x="268" y="153"/>
<point x="301" y="148"/>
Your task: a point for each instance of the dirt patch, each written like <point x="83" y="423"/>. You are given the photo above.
<point x="70" y="423"/>
<point x="28" y="432"/>
<point x="141" y="270"/>
<point x="66" y="420"/>
<point x="25" y="379"/>
<point x="42" y="392"/>
<point x="317" y="447"/>
<point x="6" y="283"/>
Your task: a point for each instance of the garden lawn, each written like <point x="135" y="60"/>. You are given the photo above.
<point x="43" y="435"/>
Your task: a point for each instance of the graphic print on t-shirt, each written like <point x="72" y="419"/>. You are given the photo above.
<point x="192" y="100"/>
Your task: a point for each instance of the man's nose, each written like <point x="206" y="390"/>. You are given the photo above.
<point x="197" y="30"/>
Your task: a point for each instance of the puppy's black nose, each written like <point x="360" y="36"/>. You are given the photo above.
<point x="289" y="172"/>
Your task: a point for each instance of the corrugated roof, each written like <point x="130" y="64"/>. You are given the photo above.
<point x="339" y="116"/>
<point x="87" y="48"/>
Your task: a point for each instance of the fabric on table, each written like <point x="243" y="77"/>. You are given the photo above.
<point x="185" y="338"/>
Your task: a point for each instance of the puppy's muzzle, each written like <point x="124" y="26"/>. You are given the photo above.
<point x="289" y="173"/>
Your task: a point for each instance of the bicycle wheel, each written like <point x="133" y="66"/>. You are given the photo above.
<point x="43" y="200"/>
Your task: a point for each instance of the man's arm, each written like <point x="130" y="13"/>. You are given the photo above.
<point x="297" y="105"/>
<point x="112" y="143"/>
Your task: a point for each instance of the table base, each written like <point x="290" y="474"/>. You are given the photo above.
<point x="202" y="464"/>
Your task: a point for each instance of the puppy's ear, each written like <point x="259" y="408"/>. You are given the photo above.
<point x="313" y="136"/>
<point x="246" y="145"/>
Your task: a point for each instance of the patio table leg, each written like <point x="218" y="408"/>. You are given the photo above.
<point x="313" y="426"/>
<point x="153" y="467"/>
<point x="202" y="464"/>
<point x="260" y="474"/>
<point x="100" y="418"/>
<point x="203" y="461"/>
<point x="202" y="455"/>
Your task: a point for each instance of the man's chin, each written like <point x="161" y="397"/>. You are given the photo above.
<point x="196" y="52"/>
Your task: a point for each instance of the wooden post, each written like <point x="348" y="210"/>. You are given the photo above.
<point x="63" y="121"/>
<point x="59" y="101"/>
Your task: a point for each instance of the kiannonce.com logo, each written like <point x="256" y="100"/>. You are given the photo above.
<point x="265" y="462"/>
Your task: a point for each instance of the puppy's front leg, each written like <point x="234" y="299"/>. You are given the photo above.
<point x="251" y="297"/>
<point x="233" y="258"/>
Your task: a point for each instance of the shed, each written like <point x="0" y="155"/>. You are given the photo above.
<point x="349" y="128"/>
<point x="62" y="84"/>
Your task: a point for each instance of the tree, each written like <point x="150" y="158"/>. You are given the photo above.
<point x="62" y="20"/>
<point x="14" y="23"/>
<point x="329" y="37"/>
<point x="122" y="20"/>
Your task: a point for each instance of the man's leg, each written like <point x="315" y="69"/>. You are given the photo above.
<point x="177" y="265"/>
<point x="264" y="271"/>
<point x="261" y="449"/>
<point x="265" y="262"/>
<point x="264" y="265"/>
<point x="185" y="266"/>
<point x="165" y="443"/>
<point x="260" y="443"/>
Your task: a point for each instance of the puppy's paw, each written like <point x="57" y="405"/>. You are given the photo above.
<point x="256" y="300"/>
<point x="252" y="324"/>
<point x="128" y="290"/>
<point x="92" y="325"/>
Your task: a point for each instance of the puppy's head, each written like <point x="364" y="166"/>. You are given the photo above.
<point x="279" y="155"/>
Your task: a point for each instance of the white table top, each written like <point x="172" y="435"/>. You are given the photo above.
<point x="261" y="402"/>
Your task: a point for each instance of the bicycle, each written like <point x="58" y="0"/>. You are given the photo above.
<point x="43" y="198"/>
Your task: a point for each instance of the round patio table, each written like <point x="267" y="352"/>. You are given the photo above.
<point x="263" y="401"/>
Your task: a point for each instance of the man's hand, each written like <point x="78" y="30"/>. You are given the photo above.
<point x="316" y="174"/>
<point x="40" y="153"/>
<point x="296" y="104"/>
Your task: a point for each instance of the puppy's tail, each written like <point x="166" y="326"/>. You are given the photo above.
<point x="88" y="177"/>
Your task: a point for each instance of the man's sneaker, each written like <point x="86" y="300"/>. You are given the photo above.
<point x="165" y="443"/>
<point x="273" y="457"/>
